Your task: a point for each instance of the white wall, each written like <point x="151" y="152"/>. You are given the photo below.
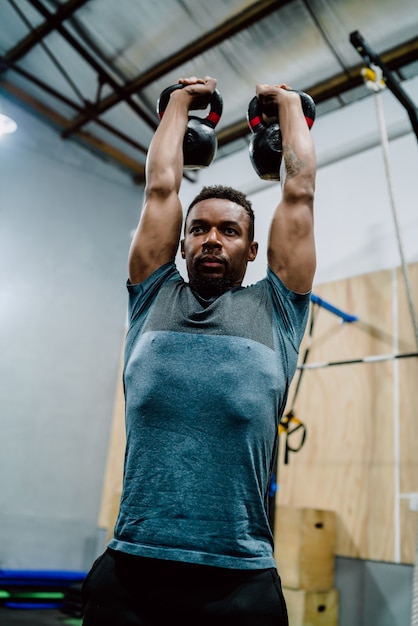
<point x="65" y="222"/>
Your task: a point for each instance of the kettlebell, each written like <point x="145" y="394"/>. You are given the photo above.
<point x="200" y="142"/>
<point x="265" y="147"/>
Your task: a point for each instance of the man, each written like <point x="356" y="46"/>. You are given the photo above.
<point x="208" y="366"/>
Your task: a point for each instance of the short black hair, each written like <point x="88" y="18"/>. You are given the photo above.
<point x="225" y="193"/>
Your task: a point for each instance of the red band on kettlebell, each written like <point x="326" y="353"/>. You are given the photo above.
<point x="255" y="121"/>
<point x="309" y="121"/>
<point x="213" y="117"/>
<point x="160" y="115"/>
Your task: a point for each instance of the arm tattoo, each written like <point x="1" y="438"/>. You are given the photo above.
<point x="293" y="163"/>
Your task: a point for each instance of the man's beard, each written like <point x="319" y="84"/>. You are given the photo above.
<point x="209" y="287"/>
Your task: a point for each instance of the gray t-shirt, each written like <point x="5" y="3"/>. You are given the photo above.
<point x="205" y="385"/>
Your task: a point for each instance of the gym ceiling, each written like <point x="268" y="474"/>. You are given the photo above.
<point x="93" y="69"/>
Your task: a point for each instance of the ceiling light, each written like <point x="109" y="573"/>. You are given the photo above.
<point x="7" y="125"/>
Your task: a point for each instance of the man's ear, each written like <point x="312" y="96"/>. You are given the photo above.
<point x="183" y="254"/>
<point x="252" y="252"/>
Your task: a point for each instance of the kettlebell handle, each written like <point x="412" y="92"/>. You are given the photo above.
<point x="265" y="147"/>
<point x="215" y="104"/>
<point x="255" y="114"/>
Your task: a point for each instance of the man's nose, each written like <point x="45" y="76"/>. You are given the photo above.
<point x="212" y="239"/>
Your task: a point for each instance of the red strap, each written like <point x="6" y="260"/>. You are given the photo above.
<point x="213" y="117"/>
<point x="255" y="121"/>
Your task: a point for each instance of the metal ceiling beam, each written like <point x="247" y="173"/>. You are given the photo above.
<point x="103" y="74"/>
<point x="214" y="37"/>
<point x="395" y="59"/>
<point x="334" y="87"/>
<point x="59" y="96"/>
<point x="88" y="140"/>
<point x="38" y="34"/>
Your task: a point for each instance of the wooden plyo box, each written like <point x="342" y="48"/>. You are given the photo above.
<point x="304" y="548"/>
<point x="312" y="608"/>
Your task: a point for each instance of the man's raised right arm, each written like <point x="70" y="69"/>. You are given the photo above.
<point x="158" y="233"/>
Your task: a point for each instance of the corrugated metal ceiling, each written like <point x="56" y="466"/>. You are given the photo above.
<point x="95" y="68"/>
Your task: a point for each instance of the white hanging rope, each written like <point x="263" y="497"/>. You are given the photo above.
<point x="378" y="85"/>
<point x="374" y="80"/>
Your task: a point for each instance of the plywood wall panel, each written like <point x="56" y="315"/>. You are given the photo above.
<point x="408" y="387"/>
<point x="367" y="297"/>
<point x="408" y="411"/>
<point x="112" y="488"/>
<point x="353" y="414"/>
<point x="346" y="464"/>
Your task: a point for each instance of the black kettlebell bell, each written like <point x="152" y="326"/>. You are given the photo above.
<point x="200" y="142"/>
<point x="266" y="142"/>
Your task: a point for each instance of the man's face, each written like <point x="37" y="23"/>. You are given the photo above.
<point x="216" y="245"/>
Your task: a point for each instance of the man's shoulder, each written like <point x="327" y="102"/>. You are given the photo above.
<point x="165" y="273"/>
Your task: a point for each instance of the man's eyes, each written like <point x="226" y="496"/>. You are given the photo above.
<point x="227" y="230"/>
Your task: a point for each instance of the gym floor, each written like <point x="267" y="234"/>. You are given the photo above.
<point x="40" y="617"/>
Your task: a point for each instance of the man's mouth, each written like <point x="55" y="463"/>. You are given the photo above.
<point x="211" y="261"/>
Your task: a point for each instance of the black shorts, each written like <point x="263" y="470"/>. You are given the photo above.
<point x="125" y="590"/>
